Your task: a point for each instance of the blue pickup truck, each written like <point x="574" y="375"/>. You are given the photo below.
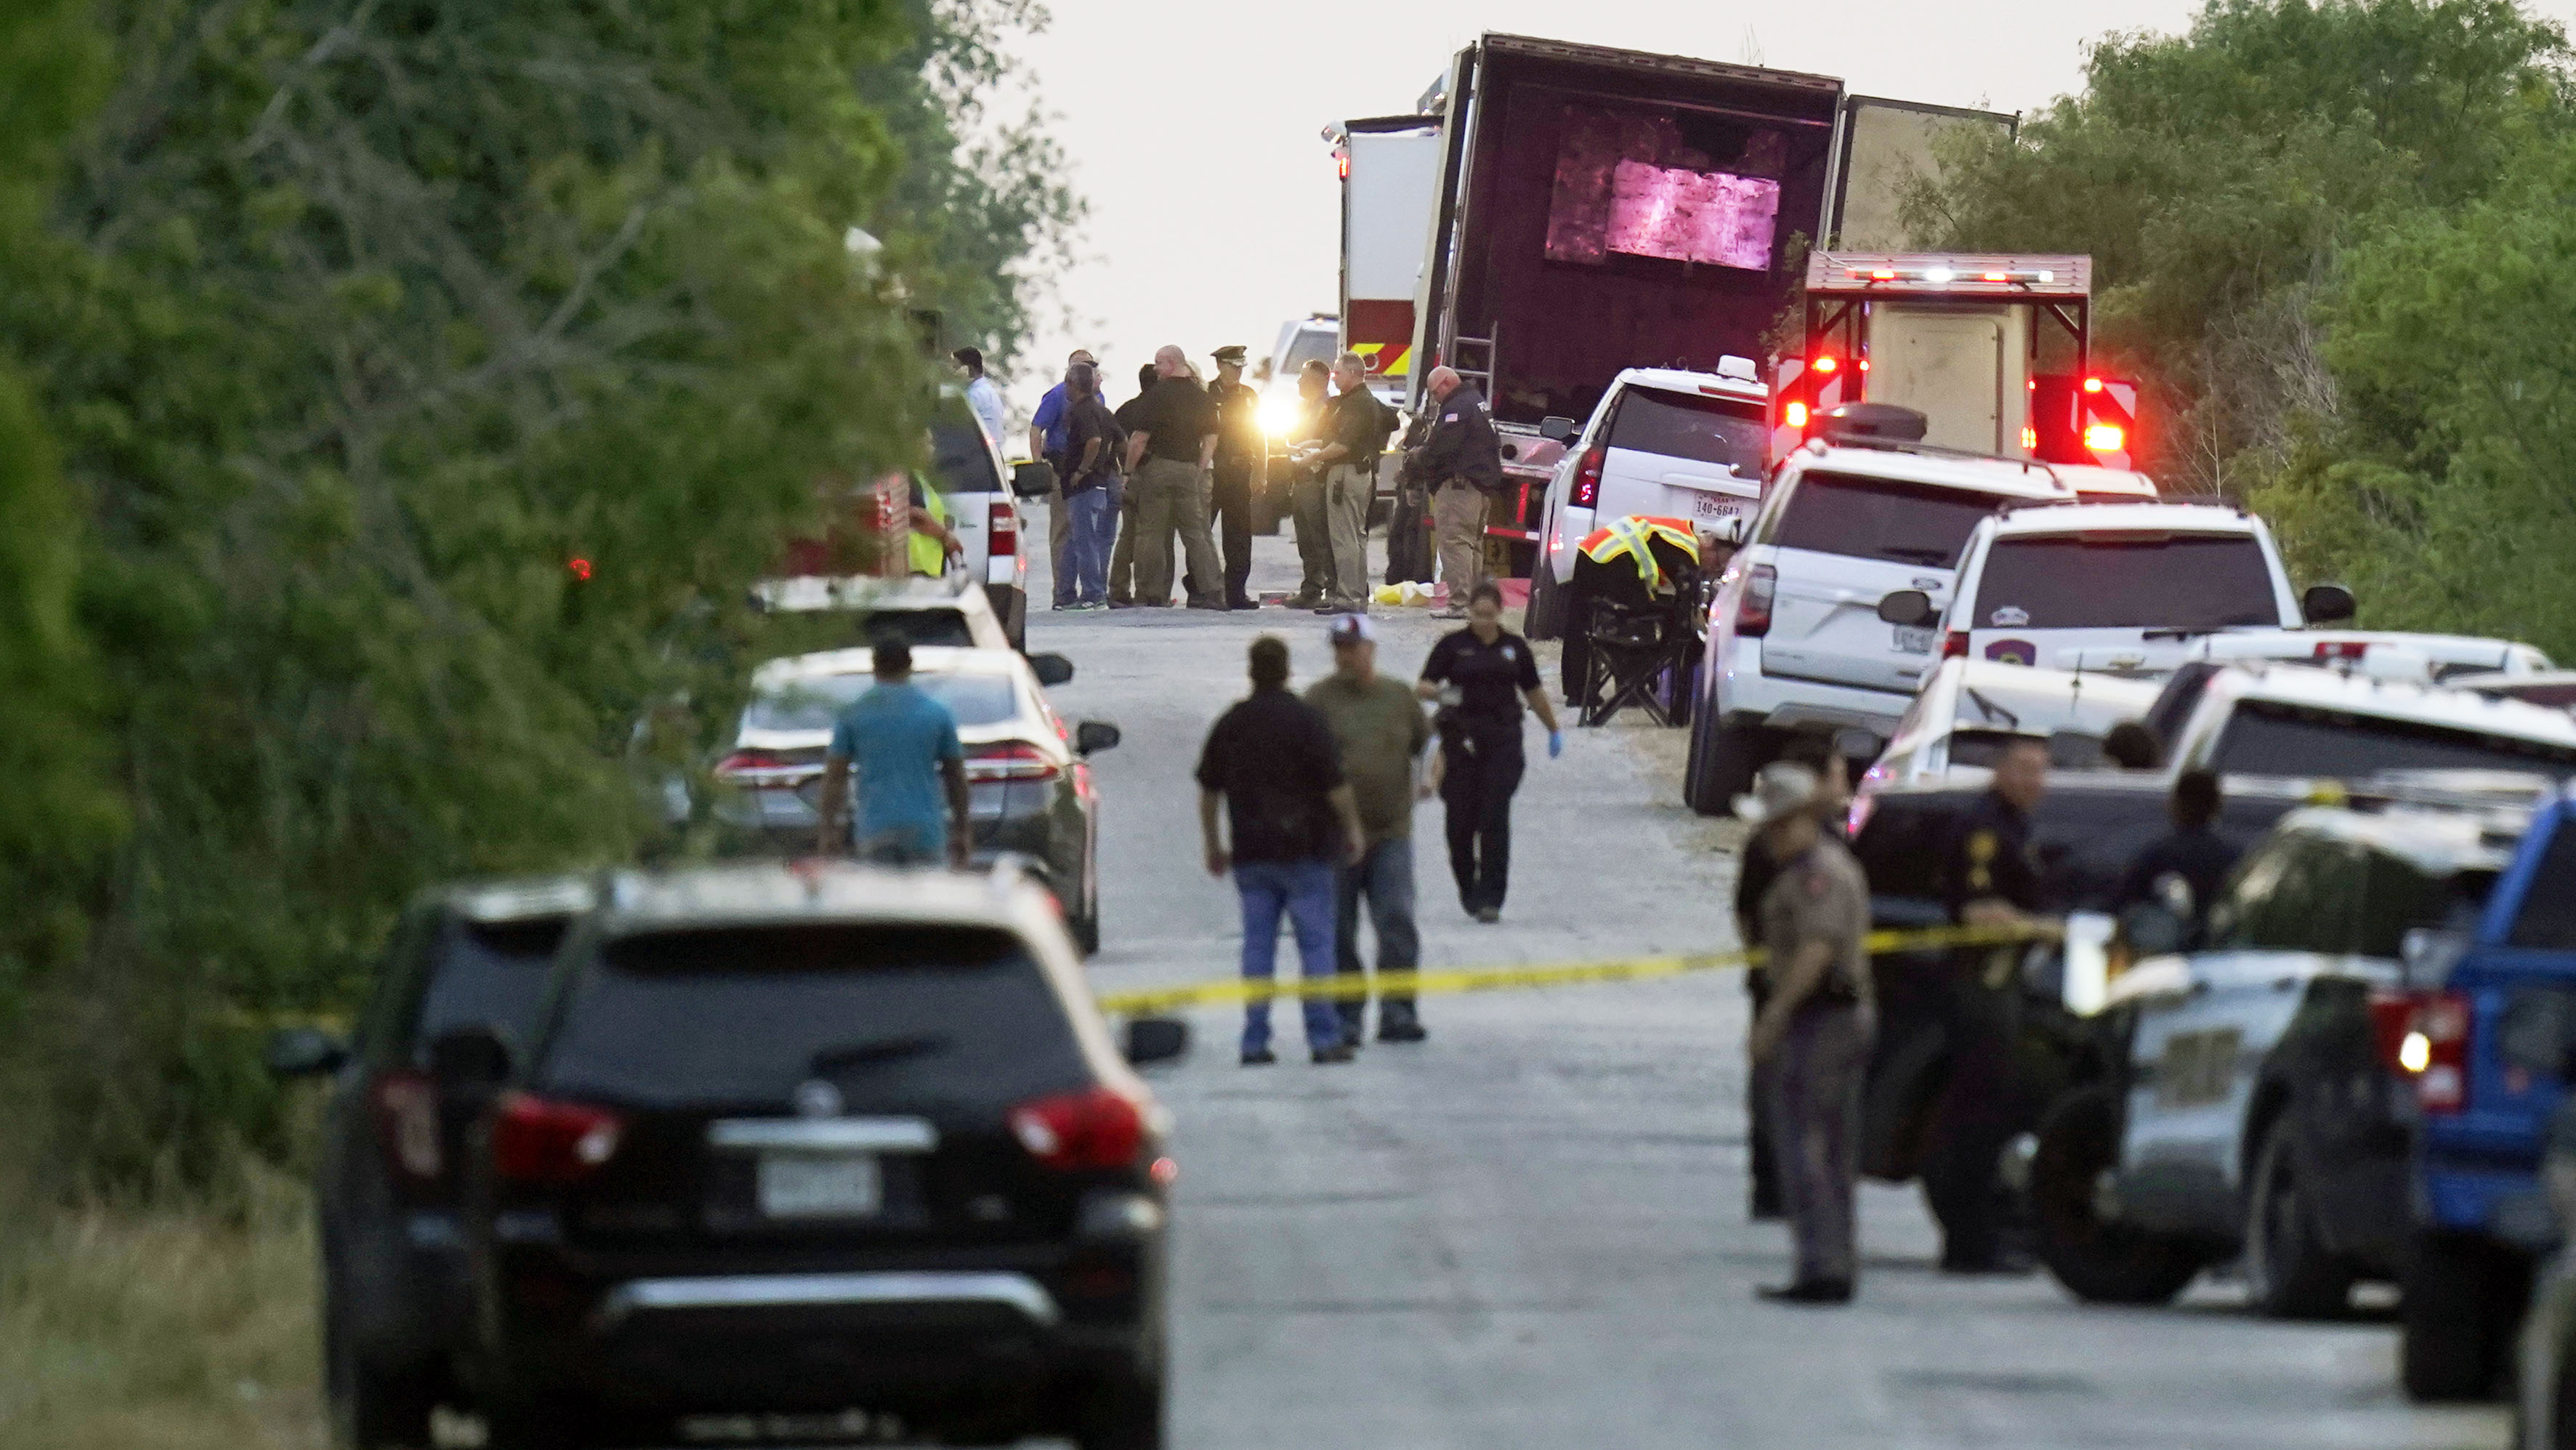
<point x="2489" y="1050"/>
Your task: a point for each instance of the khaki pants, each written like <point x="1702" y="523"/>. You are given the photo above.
<point x="1458" y="520"/>
<point x="1314" y="539"/>
<point x="1171" y="497"/>
<point x="1814" y="1085"/>
<point x="1122" y="555"/>
<point x="1348" y="492"/>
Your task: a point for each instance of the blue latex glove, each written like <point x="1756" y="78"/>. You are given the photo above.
<point x="1555" y="744"/>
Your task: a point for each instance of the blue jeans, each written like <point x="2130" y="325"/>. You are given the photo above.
<point x="1384" y="879"/>
<point x="1086" y="557"/>
<point x="1304" y="890"/>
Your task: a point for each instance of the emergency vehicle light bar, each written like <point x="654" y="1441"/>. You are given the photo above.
<point x="1867" y="273"/>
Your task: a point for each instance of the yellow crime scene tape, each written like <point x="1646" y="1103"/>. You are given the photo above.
<point x="1145" y="1001"/>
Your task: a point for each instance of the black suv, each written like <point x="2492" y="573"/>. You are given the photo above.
<point x="396" y="1300"/>
<point x="822" y="1151"/>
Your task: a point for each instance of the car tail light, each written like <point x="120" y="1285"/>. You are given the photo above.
<point x="1587" y="476"/>
<point x="539" y="1140"/>
<point x="742" y="762"/>
<point x="2343" y="649"/>
<point x="1095" y="1128"/>
<point x="1002" y="533"/>
<point x="2423" y="1037"/>
<point x="405" y="1107"/>
<point x="1013" y="760"/>
<point x="1795" y="414"/>
<point x="1954" y="645"/>
<point x="1753" y="611"/>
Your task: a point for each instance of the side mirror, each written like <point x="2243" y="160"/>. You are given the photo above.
<point x="1908" y="609"/>
<point x="1556" y="430"/>
<point x="1033" y="480"/>
<point x="1094" y="735"/>
<point x="2327" y="604"/>
<point x="303" y="1052"/>
<point x="469" y="1063"/>
<point x="1156" y="1039"/>
<point x="1051" y="670"/>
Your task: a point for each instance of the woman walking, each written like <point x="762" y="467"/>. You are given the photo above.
<point x="1480" y="675"/>
<point x="1089" y="470"/>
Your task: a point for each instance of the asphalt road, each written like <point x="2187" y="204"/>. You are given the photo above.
<point x="1529" y="1231"/>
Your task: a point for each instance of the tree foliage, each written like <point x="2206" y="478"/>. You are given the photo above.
<point x="355" y="321"/>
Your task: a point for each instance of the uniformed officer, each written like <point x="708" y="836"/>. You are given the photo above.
<point x="1306" y="506"/>
<point x="1755" y="871"/>
<point x="1812" y="1038"/>
<point x="1987" y="880"/>
<point x="1462" y="464"/>
<point x="1241" y="452"/>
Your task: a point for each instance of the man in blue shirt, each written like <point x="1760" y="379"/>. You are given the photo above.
<point x="904" y="745"/>
<point x="1050" y="434"/>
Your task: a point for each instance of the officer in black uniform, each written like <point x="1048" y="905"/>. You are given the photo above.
<point x="1987" y="879"/>
<point x="1241" y="455"/>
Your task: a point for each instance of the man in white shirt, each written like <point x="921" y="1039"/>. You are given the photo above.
<point x="981" y="395"/>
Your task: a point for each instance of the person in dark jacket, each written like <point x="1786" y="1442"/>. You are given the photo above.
<point x="1462" y="464"/>
<point x="1241" y="453"/>
<point x="2192" y="851"/>
<point x="1122" y="555"/>
<point x="1086" y="477"/>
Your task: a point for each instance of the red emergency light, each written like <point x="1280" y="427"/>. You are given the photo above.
<point x="1825" y="364"/>
<point x="580" y="568"/>
<point x="1342" y="165"/>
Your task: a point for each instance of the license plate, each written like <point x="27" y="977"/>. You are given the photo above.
<point x="1913" y="639"/>
<point x="1706" y="506"/>
<point x="820" y="1185"/>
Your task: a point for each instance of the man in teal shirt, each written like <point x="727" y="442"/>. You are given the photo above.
<point x="904" y="746"/>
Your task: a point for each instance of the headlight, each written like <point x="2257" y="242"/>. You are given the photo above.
<point x="1278" y="414"/>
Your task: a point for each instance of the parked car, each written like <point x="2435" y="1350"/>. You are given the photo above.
<point x="2118" y="588"/>
<point x="1794" y="639"/>
<point x="2485" y="1045"/>
<point x="944" y="612"/>
<point x="1029" y="786"/>
<point x="845" y="1148"/>
<point x="2246" y="1102"/>
<point x="396" y="1298"/>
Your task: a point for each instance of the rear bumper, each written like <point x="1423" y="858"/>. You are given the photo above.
<point x="2506" y="1205"/>
<point x="1744" y="695"/>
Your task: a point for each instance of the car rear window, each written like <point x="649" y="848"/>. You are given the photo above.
<point x="813" y="704"/>
<point x="1307" y="344"/>
<point x="1877" y="518"/>
<point x="2177" y="581"/>
<point x="488" y="974"/>
<point x="1703" y="430"/>
<point x="742" y="1014"/>
<point x="2263" y="737"/>
<point x="943" y="627"/>
<point x="2547" y="920"/>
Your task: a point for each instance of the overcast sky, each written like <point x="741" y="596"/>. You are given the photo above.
<point x="1194" y="128"/>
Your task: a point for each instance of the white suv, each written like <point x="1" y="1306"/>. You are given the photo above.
<point x="1795" y="641"/>
<point x="2125" y="589"/>
<point x="1669" y="444"/>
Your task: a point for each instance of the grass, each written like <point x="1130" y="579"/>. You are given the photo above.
<point x="166" y="1328"/>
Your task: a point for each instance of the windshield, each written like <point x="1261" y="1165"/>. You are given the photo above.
<point x="1876" y="518"/>
<point x="1307" y="344"/>
<point x="1703" y="430"/>
<point x="2266" y="738"/>
<point x="744" y="1014"/>
<point x="814" y="703"/>
<point x="2178" y="582"/>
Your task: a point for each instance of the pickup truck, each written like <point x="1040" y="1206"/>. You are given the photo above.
<point x="2485" y="1044"/>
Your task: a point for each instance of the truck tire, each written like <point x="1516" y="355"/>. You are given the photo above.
<point x="1123" y="1411"/>
<point x="2100" y="1261"/>
<point x="1721" y="762"/>
<point x="2289" y="1273"/>
<point x="2455" y="1328"/>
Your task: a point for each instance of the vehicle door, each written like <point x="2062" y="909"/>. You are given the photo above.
<point x="2124" y="601"/>
<point x="1696" y="457"/>
<point x="1841" y="543"/>
<point x="981" y="509"/>
<point x="2198" y="1051"/>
